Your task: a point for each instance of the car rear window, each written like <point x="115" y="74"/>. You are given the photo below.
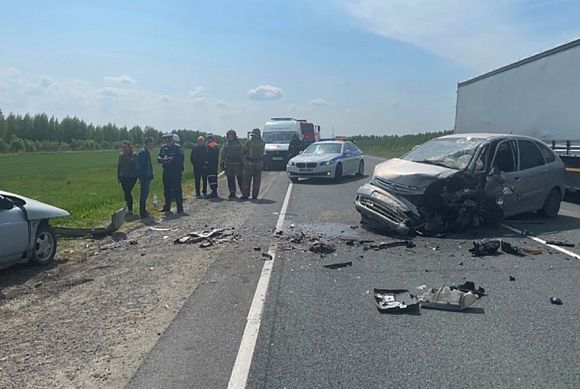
<point x="548" y="154"/>
<point x="530" y="155"/>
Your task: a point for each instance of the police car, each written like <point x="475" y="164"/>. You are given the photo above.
<point x="328" y="159"/>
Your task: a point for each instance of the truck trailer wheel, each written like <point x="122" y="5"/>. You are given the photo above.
<point x="44" y="246"/>
<point x="552" y="204"/>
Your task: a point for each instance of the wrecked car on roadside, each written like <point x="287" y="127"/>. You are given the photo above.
<point x="457" y="181"/>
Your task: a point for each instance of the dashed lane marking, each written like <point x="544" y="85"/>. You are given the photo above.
<point x="241" y="369"/>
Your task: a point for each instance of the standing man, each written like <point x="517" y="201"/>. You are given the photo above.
<point x="145" y="174"/>
<point x="126" y="174"/>
<point x="198" y="158"/>
<point x="295" y="146"/>
<point x="171" y="158"/>
<point x="211" y="163"/>
<point x="231" y="161"/>
<point x="253" y="164"/>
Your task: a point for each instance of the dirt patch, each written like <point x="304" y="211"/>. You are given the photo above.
<point x="89" y="320"/>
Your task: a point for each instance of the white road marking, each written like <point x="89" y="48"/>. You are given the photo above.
<point x="241" y="369"/>
<point x="541" y="241"/>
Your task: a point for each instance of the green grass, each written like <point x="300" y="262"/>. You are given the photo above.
<point x="379" y="151"/>
<point x="84" y="183"/>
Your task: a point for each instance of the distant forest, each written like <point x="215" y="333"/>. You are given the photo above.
<point x="27" y="133"/>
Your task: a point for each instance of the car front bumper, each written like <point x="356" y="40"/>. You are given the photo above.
<point x="326" y="171"/>
<point x="385" y="209"/>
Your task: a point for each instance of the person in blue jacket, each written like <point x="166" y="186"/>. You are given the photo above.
<point x="171" y="158"/>
<point x="145" y="174"/>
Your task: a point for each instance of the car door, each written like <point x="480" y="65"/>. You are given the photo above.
<point x="14" y="232"/>
<point x="503" y="179"/>
<point x="350" y="158"/>
<point x="535" y="182"/>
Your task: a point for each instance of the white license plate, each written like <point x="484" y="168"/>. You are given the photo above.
<point x="277" y="158"/>
<point x="306" y="170"/>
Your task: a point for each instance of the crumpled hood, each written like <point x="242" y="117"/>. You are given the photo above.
<point x="411" y="174"/>
<point x="315" y="158"/>
<point x="37" y="210"/>
<point x="277" y="146"/>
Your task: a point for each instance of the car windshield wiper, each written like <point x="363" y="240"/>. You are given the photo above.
<point x="436" y="163"/>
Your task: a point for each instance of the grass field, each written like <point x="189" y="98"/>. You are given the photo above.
<point x="379" y="151"/>
<point x="84" y="183"/>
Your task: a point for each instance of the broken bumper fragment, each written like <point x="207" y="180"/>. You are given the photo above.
<point x="447" y="299"/>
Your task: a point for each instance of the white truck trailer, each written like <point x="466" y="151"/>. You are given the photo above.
<point x="538" y="96"/>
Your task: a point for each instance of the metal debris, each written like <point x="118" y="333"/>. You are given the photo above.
<point x="560" y="243"/>
<point x="485" y="247"/>
<point x="207" y="238"/>
<point x="447" y="299"/>
<point x="387" y="245"/>
<point x="338" y="265"/>
<point x="469" y="286"/>
<point x="322" y="248"/>
<point x="395" y="300"/>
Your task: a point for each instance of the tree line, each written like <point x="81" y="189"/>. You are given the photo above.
<point x="395" y="142"/>
<point x="32" y="133"/>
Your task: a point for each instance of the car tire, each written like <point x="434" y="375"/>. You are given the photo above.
<point x="44" y="246"/>
<point x="338" y="172"/>
<point x="361" y="169"/>
<point x="293" y="179"/>
<point x="552" y="204"/>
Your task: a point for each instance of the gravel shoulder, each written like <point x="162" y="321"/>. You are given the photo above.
<point x="89" y="320"/>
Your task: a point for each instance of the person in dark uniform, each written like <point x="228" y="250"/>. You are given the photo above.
<point x="171" y="158"/>
<point x="145" y="175"/>
<point x="211" y="163"/>
<point x="253" y="164"/>
<point x="198" y="158"/>
<point x="231" y="161"/>
<point x="126" y="174"/>
<point x="296" y="146"/>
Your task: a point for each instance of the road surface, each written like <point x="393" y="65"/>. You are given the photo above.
<point x="319" y="328"/>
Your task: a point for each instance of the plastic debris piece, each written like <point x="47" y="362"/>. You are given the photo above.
<point x="387" y="245"/>
<point x="509" y="248"/>
<point x="532" y="250"/>
<point x="560" y="243"/>
<point x="512" y="278"/>
<point x="485" y="247"/>
<point x="338" y="265"/>
<point x="447" y="299"/>
<point x="322" y="247"/>
<point x="257" y="249"/>
<point x="393" y="300"/>
<point x="267" y="256"/>
<point x="556" y="301"/>
<point x="469" y="286"/>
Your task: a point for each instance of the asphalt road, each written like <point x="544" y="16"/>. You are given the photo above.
<point x="320" y="327"/>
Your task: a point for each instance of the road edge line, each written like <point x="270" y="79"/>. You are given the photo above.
<point x="541" y="241"/>
<point x="241" y="369"/>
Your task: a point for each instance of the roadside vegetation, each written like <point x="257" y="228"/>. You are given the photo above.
<point x="393" y="146"/>
<point x="83" y="182"/>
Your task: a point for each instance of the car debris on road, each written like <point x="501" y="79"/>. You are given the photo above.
<point x="395" y="300"/>
<point x="560" y="243"/>
<point x="556" y="301"/>
<point x="341" y="265"/>
<point x="208" y="238"/>
<point x="485" y="247"/>
<point x="322" y="248"/>
<point x="447" y="298"/>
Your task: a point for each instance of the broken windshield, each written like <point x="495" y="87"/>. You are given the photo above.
<point x="324" y="148"/>
<point x="453" y="153"/>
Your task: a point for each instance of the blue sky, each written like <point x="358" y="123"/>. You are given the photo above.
<point x="360" y="66"/>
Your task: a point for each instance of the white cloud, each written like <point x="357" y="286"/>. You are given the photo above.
<point x="265" y="92"/>
<point x="46" y="82"/>
<point x="319" y="102"/>
<point x="122" y="79"/>
<point x="165" y="99"/>
<point x="221" y="104"/>
<point x="478" y="34"/>
<point x="112" y="92"/>
<point x="197" y="95"/>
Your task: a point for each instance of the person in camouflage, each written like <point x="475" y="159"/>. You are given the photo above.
<point x="296" y="146"/>
<point x="253" y="153"/>
<point x="231" y="161"/>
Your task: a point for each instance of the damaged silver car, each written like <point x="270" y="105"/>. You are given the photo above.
<point x="458" y="181"/>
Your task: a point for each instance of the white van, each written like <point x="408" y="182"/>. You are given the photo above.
<point x="278" y="133"/>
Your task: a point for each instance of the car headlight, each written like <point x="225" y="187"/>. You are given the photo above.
<point x="327" y="163"/>
<point x="290" y="163"/>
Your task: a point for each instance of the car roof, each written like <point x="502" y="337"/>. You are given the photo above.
<point x="487" y="136"/>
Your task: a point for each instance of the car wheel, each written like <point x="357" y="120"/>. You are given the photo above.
<point x="338" y="172"/>
<point x="44" y="246"/>
<point x="361" y="169"/>
<point x="552" y="204"/>
<point x="293" y="179"/>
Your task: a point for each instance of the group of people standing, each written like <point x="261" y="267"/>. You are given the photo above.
<point x="242" y="163"/>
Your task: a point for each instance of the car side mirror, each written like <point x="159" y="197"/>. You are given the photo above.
<point x="6" y="203"/>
